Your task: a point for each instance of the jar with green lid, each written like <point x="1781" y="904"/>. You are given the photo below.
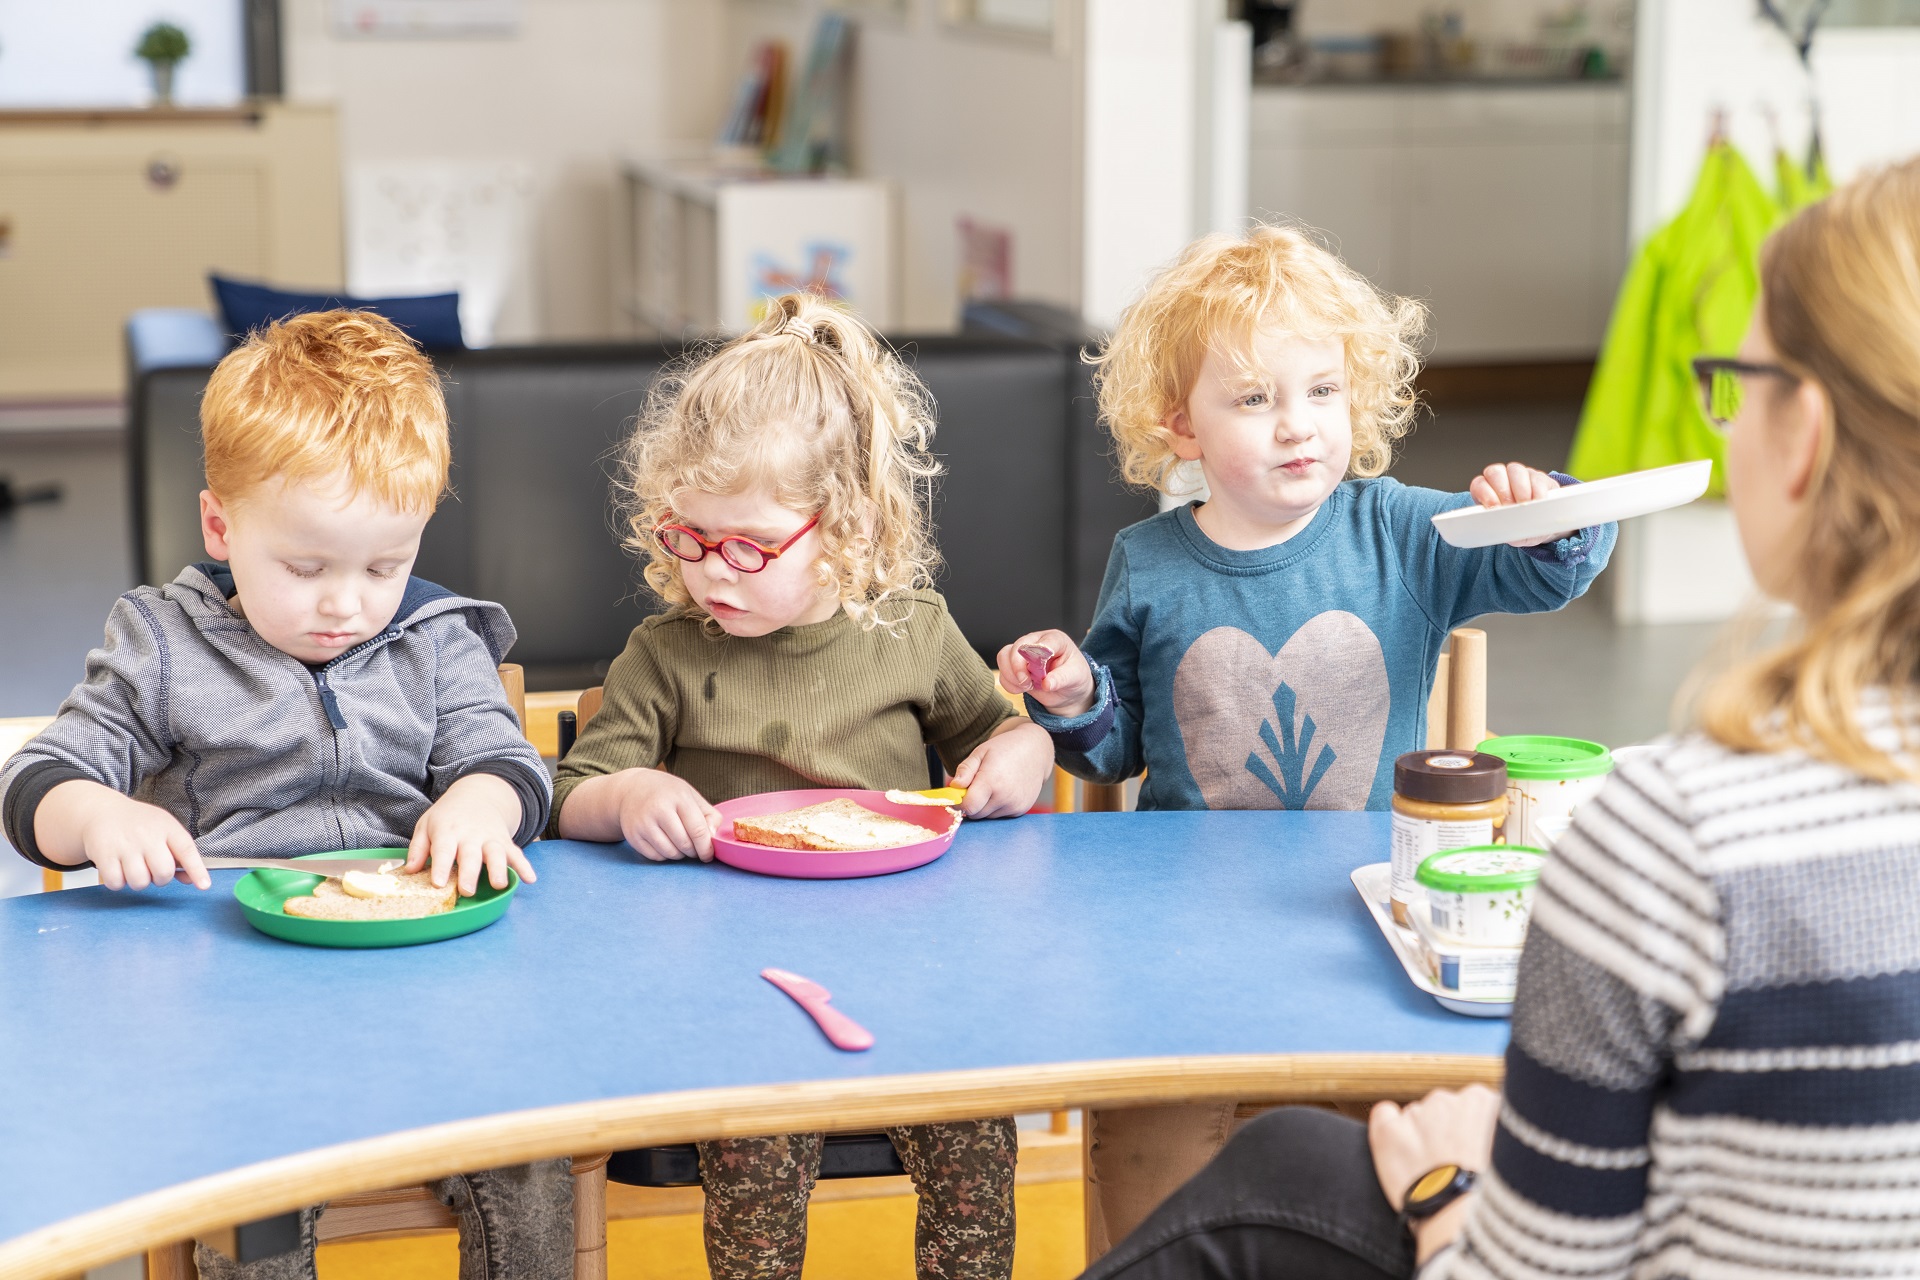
<point x="1547" y="779"/>
<point x="1441" y="800"/>
<point x="1482" y="896"/>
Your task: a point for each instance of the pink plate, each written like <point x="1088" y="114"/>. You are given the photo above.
<point x="797" y="864"/>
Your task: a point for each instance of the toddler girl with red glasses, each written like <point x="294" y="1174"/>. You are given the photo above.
<point x="779" y="490"/>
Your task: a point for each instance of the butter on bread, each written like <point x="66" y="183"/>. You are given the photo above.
<point x="412" y="897"/>
<point x="834" y="826"/>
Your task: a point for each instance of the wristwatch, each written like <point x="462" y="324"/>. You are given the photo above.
<point x="1433" y="1191"/>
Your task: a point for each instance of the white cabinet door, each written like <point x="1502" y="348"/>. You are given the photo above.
<point x="1348" y="193"/>
<point x="1500" y="245"/>
<point x="1503" y="209"/>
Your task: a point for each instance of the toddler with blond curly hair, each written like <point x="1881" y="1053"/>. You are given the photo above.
<point x="779" y="489"/>
<point x="1273" y="645"/>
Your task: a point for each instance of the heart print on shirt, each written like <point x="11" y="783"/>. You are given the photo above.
<point x="1297" y="729"/>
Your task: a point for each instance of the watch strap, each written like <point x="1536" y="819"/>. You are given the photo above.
<point x="1434" y="1190"/>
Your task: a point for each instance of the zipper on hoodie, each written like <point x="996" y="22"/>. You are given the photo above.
<point x="328" y="701"/>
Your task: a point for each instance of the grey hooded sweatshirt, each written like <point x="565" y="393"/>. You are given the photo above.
<point x="260" y="755"/>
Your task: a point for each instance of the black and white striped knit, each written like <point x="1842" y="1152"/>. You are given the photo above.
<point x="1715" y="1064"/>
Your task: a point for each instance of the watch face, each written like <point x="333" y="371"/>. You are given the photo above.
<point x="1435" y="1181"/>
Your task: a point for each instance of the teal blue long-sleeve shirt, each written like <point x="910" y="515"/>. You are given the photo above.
<point x="1293" y="676"/>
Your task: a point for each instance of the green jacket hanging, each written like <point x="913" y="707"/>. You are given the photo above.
<point x="1690" y="292"/>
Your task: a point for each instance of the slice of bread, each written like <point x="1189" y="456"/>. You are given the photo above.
<point x="835" y="826"/>
<point x="418" y="898"/>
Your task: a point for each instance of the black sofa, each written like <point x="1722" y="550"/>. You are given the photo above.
<point x="1025" y="513"/>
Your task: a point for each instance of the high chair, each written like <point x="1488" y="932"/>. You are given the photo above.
<point x="410" y="1210"/>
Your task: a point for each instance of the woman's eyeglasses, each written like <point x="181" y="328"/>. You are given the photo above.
<point x="1721" y="388"/>
<point x="743" y="554"/>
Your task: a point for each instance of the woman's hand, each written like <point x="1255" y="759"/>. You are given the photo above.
<point x="1515" y="482"/>
<point x="471" y="827"/>
<point x="1445" y="1127"/>
<point x="1067" y="689"/>
<point x="1004" y="775"/>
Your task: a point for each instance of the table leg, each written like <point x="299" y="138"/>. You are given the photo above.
<point x="590" y="1217"/>
<point x="172" y="1262"/>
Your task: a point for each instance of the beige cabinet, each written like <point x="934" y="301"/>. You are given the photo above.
<point x="107" y="212"/>
<point x="1503" y="208"/>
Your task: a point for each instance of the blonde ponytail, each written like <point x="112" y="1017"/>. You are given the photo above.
<point x="1840" y="286"/>
<point x="811" y="405"/>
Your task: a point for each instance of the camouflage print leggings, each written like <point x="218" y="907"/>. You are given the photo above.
<point x="757" y="1190"/>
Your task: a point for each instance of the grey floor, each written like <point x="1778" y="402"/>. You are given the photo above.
<point x="1573" y="673"/>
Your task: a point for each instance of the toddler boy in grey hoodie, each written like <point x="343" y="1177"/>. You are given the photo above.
<point x="308" y="696"/>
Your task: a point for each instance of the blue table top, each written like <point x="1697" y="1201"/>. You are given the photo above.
<point x="150" y="1039"/>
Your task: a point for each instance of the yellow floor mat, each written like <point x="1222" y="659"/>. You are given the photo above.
<point x="868" y="1239"/>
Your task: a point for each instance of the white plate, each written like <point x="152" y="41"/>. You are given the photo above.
<point x="1373" y="881"/>
<point x="1577" y="506"/>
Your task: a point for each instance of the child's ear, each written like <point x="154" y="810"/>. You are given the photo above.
<point x="1180" y="437"/>
<point x="214" y="526"/>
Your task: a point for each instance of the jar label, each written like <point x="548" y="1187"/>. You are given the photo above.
<point x="1417" y="839"/>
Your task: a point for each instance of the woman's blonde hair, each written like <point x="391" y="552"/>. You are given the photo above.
<point x="812" y="407"/>
<point x="1840" y="295"/>
<point x="1220" y="293"/>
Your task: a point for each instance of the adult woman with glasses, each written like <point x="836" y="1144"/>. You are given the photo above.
<point x="1715" y="1063"/>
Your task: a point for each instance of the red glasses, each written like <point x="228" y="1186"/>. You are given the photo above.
<point x="743" y="554"/>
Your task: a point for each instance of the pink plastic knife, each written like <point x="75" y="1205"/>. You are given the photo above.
<point x="1036" y="656"/>
<point x="841" y="1031"/>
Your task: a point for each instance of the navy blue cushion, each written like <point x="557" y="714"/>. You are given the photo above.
<point x="433" y="321"/>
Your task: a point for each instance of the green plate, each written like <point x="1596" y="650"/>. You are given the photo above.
<point x="260" y="893"/>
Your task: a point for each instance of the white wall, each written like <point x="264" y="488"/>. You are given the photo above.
<point x="970" y="123"/>
<point x="1692" y="56"/>
<point x="581" y="81"/>
<point x="1143" y="159"/>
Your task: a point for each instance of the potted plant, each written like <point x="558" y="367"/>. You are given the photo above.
<point x="162" y="47"/>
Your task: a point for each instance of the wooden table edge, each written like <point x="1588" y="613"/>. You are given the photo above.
<point x="370" y="1164"/>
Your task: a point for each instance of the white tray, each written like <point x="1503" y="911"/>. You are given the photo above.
<point x="1576" y="506"/>
<point x="1374" y="882"/>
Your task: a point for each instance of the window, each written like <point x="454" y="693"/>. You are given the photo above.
<point x="81" y="55"/>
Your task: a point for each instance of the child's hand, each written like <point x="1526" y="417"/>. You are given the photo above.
<point x="133" y="844"/>
<point x="664" y="818"/>
<point x="471" y="826"/>
<point x="1504" y="485"/>
<point x="1068" y="688"/>
<point x="1004" y="774"/>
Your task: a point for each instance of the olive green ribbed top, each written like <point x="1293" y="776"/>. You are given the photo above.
<point x="828" y="704"/>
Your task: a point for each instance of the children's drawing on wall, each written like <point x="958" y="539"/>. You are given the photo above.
<point x="823" y="275"/>
<point x="986" y="260"/>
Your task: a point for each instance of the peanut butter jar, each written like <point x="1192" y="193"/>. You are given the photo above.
<point x="1442" y="800"/>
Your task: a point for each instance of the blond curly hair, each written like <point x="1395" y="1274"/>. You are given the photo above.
<point x="810" y="405"/>
<point x="1216" y="297"/>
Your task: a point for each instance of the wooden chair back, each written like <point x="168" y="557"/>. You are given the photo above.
<point x="513" y="678"/>
<point x="588" y="706"/>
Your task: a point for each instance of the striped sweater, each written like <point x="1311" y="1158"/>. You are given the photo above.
<point x="1715" y="1063"/>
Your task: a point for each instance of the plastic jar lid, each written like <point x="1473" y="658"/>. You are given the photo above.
<point x="1482" y="868"/>
<point x="1542" y="759"/>
<point x="1450" y="777"/>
